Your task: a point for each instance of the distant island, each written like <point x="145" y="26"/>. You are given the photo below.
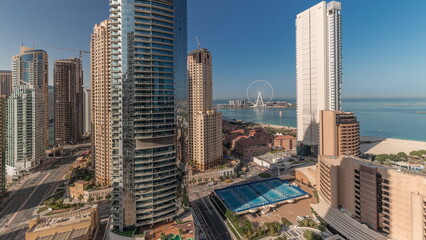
<point x="247" y="104"/>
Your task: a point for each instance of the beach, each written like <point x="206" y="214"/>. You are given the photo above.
<point x="276" y="126"/>
<point x="389" y="145"/>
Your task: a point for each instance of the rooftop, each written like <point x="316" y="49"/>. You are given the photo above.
<point x="63" y="219"/>
<point x="284" y="137"/>
<point x="273" y="157"/>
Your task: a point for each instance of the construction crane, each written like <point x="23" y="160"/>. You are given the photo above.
<point x="69" y="49"/>
<point x="198" y="43"/>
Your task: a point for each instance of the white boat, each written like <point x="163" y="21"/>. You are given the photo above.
<point x="281" y="113"/>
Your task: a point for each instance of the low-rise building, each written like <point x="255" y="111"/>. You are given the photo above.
<point x="81" y="162"/>
<point x="273" y="161"/>
<point x="81" y="188"/>
<point x="285" y="142"/>
<point x="215" y="174"/>
<point x="79" y="224"/>
<point x="249" y="147"/>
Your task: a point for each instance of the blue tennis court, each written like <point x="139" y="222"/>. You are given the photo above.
<point x="257" y="194"/>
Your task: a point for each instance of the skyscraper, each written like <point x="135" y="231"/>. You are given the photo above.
<point x="318" y="67"/>
<point x="2" y="143"/>
<point x="27" y="118"/>
<point x="30" y="67"/>
<point x="101" y="102"/>
<point x="142" y="113"/>
<point x="68" y="83"/>
<point x="181" y="80"/>
<point x="339" y="134"/>
<point x="87" y="111"/>
<point x="5" y="83"/>
<point x="25" y="130"/>
<point x="205" y="124"/>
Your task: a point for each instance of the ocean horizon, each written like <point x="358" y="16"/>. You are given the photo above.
<point x="378" y="117"/>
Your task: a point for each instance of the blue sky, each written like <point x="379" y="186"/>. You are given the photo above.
<point x="383" y="40"/>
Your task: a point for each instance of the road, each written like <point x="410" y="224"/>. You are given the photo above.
<point x="104" y="210"/>
<point x="212" y="224"/>
<point x="18" y="209"/>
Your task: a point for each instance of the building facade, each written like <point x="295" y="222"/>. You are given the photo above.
<point x="143" y="128"/>
<point x="318" y="68"/>
<point x="25" y="130"/>
<point x="68" y="83"/>
<point x="87" y="111"/>
<point x="205" y="124"/>
<point x="80" y="224"/>
<point x="339" y="134"/>
<point x="101" y="102"/>
<point x="30" y="67"/>
<point x="5" y="83"/>
<point x="389" y="201"/>
<point x="285" y="142"/>
<point x="2" y="143"/>
<point x="27" y="108"/>
<point x="181" y="81"/>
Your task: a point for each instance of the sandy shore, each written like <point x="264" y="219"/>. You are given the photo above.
<point x="390" y="145"/>
<point x="276" y="126"/>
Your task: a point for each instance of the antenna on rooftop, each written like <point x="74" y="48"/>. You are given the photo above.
<point x="198" y="43"/>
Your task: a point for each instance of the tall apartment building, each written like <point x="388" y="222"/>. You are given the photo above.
<point x="142" y="113"/>
<point x="25" y="130"/>
<point x="2" y="143"/>
<point x="68" y="83"/>
<point x="181" y="81"/>
<point x="355" y="193"/>
<point x="27" y="118"/>
<point x="87" y="110"/>
<point x="101" y="102"/>
<point x="339" y="134"/>
<point x="5" y="83"/>
<point x="318" y="68"/>
<point x="30" y="67"/>
<point x="205" y="124"/>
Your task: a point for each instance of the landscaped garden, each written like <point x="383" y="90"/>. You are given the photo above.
<point x="264" y="175"/>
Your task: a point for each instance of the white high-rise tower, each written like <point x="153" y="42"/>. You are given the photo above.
<point x="318" y="67"/>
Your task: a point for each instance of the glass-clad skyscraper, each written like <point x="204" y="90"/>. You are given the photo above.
<point x="181" y="79"/>
<point x="27" y="118"/>
<point x="142" y="113"/>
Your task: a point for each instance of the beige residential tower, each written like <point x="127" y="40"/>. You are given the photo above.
<point x="205" y="124"/>
<point x="101" y="102"/>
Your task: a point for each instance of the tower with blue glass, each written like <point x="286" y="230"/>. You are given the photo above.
<point x="143" y="119"/>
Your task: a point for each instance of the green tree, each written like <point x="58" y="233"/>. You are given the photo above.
<point x="80" y="198"/>
<point x="402" y="156"/>
<point x="281" y="238"/>
<point x="309" y="235"/>
<point x="286" y="222"/>
<point x="108" y="196"/>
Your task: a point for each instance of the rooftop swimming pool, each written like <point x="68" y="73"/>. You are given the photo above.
<point x="257" y="194"/>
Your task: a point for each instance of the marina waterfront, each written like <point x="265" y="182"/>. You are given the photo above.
<point x="399" y="118"/>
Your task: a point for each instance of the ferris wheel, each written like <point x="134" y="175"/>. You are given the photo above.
<point x="258" y="91"/>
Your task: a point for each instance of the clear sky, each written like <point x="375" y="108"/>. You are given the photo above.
<point x="383" y="40"/>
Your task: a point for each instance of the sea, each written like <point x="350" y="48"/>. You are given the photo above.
<point x="401" y="118"/>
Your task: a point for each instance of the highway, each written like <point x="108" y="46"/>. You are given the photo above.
<point x="19" y="207"/>
<point x="212" y="224"/>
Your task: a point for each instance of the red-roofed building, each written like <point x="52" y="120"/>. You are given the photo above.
<point x="248" y="147"/>
<point x="286" y="142"/>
